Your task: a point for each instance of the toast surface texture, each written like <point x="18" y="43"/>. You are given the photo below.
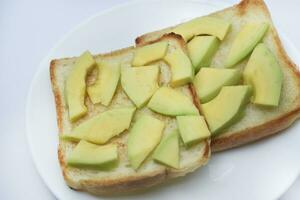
<point x="258" y="122"/>
<point x="122" y="179"/>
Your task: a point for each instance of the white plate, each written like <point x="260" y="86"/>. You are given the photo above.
<point x="263" y="170"/>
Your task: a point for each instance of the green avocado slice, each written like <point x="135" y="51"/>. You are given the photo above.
<point x="168" y="101"/>
<point x="167" y="152"/>
<point x="139" y="83"/>
<point x="102" y="127"/>
<point x="76" y="87"/>
<point x="264" y="74"/>
<point x="209" y="81"/>
<point x="224" y="109"/>
<point x="245" y="42"/>
<point x="143" y="137"/>
<point x="90" y="156"/>
<point x="201" y="50"/>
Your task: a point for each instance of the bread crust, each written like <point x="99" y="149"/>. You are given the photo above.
<point x="255" y="133"/>
<point x="133" y="183"/>
<point x="220" y="143"/>
<point x="127" y="184"/>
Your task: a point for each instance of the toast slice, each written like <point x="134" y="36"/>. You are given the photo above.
<point x="123" y="178"/>
<point x="258" y="122"/>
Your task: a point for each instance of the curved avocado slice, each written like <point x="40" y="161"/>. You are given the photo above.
<point x="75" y="86"/>
<point x="143" y="137"/>
<point x="102" y="91"/>
<point x="224" y="110"/>
<point x="181" y="67"/>
<point x="264" y="74"/>
<point x="149" y="53"/>
<point x="167" y="152"/>
<point x="139" y="83"/>
<point x="102" y="127"/>
<point x="209" y="81"/>
<point x="203" y="26"/>
<point x="90" y="156"/>
<point x="245" y="42"/>
<point x="170" y="102"/>
<point x="201" y="50"/>
<point x="192" y="129"/>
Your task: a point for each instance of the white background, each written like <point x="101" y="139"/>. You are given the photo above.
<point x="28" y="29"/>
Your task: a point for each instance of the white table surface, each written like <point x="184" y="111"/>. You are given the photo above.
<point x="28" y="29"/>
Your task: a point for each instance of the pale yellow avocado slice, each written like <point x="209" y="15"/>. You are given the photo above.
<point x="140" y="83"/>
<point x="181" y="67"/>
<point x="209" y="81"/>
<point x="90" y="156"/>
<point x="102" y="127"/>
<point x="245" y="41"/>
<point x="168" y="101"/>
<point x="75" y="86"/>
<point x="264" y="74"/>
<point x="149" y="53"/>
<point x="192" y="129"/>
<point x="203" y="26"/>
<point x="167" y="152"/>
<point x="201" y="50"/>
<point x="102" y="91"/>
<point x="226" y="108"/>
<point x="143" y="137"/>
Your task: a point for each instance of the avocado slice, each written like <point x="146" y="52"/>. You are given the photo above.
<point x="224" y="109"/>
<point x="209" y="81"/>
<point x="181" y="67"/>
<point x="90" y="156"/>
<point x="140" y="83"/>
<point x="168" y="101"/>
<point x="245" y="42"/>
<point x="203" y="26"/>
<point x="75" y="86"/>
<point x="102" y="127"/>
<point x="167" y="152"/>
<point x="102" y="91"/>
<point x="143" y="137"/>
<point x="201" y="50"/>
<point x="264" y="74"/>
<point x="192" y="129"/>
<point x="149" y="53"/>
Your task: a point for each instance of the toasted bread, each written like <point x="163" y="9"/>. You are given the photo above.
<point x="123" y="178"/>
<point x="258" y="121"/>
